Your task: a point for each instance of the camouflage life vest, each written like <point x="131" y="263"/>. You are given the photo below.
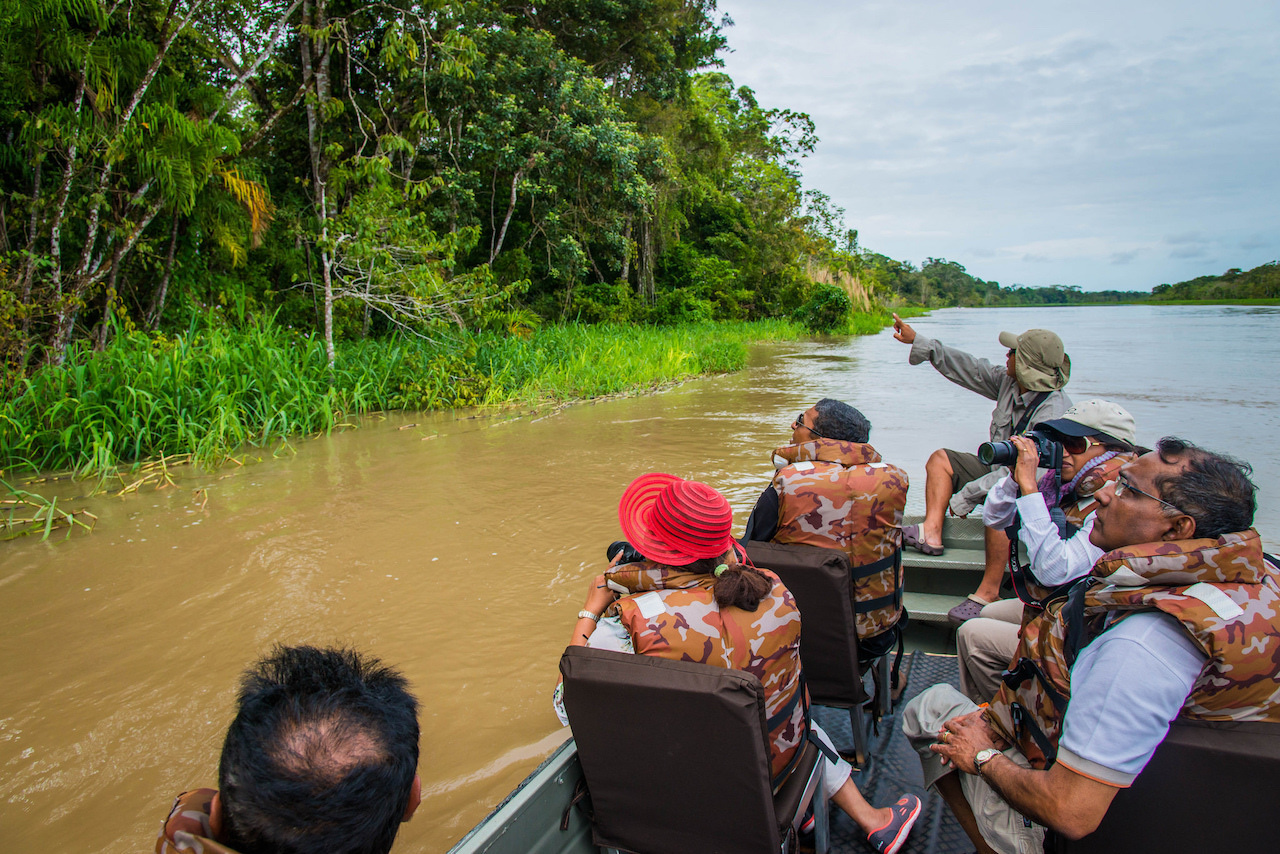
<point x="187" y="827"/>
<point x="841" y="495"/>
<point x="1223" y="592"/>
<point x="673" y="614"/>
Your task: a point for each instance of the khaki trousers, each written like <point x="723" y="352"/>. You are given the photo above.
<point x="986" y="645"/>
<point x="1003" y="827"/>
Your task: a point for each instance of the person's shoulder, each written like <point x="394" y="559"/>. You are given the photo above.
<point x="1146" y="643"/>
<point x="187" y="826"/>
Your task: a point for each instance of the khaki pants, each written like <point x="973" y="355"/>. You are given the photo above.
<point x="1003" y="827"/>
<point x="986" y="646"/>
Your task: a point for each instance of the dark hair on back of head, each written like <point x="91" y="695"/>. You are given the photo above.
<point x="739" y="586"/>
<point x="1213" y="489"/>
<point x="321" y="755"/>
<point x="838" y="420"/>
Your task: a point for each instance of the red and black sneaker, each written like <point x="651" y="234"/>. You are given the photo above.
<point x="888" y="839"/>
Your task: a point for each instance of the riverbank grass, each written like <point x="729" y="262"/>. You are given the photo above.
<point x="206" y="394"/>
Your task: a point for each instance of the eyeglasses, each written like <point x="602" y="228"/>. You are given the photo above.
<point x="799" y="422"/>
<point x="1123" y="485"/>
<point x="1076" y="444"/>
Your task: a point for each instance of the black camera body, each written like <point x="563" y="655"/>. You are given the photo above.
<point x="1006" y="453"/>
<point x="629" y="553"/>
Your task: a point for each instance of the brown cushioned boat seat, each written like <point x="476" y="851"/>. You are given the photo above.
<point x="1211" y="786"/>
<point x="821" y="582"/>
<point x="675" y="754"/>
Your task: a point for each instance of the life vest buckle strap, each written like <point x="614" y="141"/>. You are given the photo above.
<point x="1026" y="669"/>
<point x="869" y="605"/>
<point x="801" y="695"/>
<point x="783" y="715"/>
<point x="867" y="570"/>
<point x="1024" y="723"/>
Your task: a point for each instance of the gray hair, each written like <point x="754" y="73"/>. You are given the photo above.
<point x="838" y="420"/>
<point x="1213" y="489"/>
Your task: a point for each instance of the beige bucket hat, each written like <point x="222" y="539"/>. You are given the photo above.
<point x="1040" y="362"/>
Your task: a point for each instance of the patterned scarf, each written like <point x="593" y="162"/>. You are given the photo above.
<point x="1046" y="483"/>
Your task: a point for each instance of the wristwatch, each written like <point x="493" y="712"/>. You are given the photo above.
<point x="588" y="615"/>
<point x="984" y="756"/>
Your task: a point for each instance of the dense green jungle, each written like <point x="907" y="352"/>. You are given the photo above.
<point x="227" y="222"/>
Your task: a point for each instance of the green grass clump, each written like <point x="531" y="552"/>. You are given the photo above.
<point x="569" y="361"/>
<point x="210" y="392"/>
<point x="200" y="394"/>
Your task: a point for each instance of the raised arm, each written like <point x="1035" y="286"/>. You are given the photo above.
<point x="1053" y="560"/>
<point x="956" y="365"/>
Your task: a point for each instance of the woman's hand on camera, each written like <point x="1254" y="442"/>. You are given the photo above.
<point x="1024" y="470"/>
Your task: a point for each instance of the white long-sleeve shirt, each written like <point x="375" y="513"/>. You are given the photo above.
<point x="1053" y="560"/>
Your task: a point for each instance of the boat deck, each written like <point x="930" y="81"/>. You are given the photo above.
<point x="936" y="584"/>
<point x="894" y="769"/>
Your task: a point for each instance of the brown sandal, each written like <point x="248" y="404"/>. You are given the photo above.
<point x="967" y="610"/>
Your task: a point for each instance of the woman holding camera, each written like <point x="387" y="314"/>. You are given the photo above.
<point x="693" y="598"/>
<point x="1097" y="439"/>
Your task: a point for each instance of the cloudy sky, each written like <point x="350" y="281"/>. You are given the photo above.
<point x="1099" y="143"/>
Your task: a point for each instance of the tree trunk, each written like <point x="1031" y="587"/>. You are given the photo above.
<point x="108" y="306"/>
<point x="315" y="71"/>
<point x="626" y="255"/>
<point x="327" y="269"/>
<point x="644" y="273"/>
<point x="511" y="209"/>
<point x="65" y="321"/>
<point x="64" y="193"/>
<point x="162" y="290"/>
<point x="276" y="33"/>
<point x="88" y="269"/>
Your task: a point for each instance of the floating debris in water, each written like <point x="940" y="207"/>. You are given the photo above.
<point x="25" y="512"/>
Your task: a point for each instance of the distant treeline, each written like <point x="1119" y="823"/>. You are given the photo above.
<point x="1259" y="283"/>
<point x="940" y="283"/>
<point x="362" y="168"/>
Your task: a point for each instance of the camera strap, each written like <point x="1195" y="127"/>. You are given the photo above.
<point x="1025" y="421"/>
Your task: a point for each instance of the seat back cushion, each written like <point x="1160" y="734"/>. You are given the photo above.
<point x="674" y="753"/>
<point x="819" y="579"/>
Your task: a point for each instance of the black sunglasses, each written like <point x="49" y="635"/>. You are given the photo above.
<point x="799" y="422"/>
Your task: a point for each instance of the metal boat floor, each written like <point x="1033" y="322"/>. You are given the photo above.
<point x="894" y="768"/>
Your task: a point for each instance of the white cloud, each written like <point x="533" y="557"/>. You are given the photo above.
<point x="956" y="129"/>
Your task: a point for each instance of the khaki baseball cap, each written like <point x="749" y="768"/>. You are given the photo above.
<point x="1095" y="418"/>
<point x="1041" y="363"/>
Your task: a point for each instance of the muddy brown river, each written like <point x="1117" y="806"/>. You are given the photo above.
<point x="459" y="548"/>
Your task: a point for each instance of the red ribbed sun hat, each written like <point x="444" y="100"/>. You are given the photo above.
<point x="675" y="521"/>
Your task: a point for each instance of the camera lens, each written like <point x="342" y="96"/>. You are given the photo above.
<point x="997" y="453"/>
